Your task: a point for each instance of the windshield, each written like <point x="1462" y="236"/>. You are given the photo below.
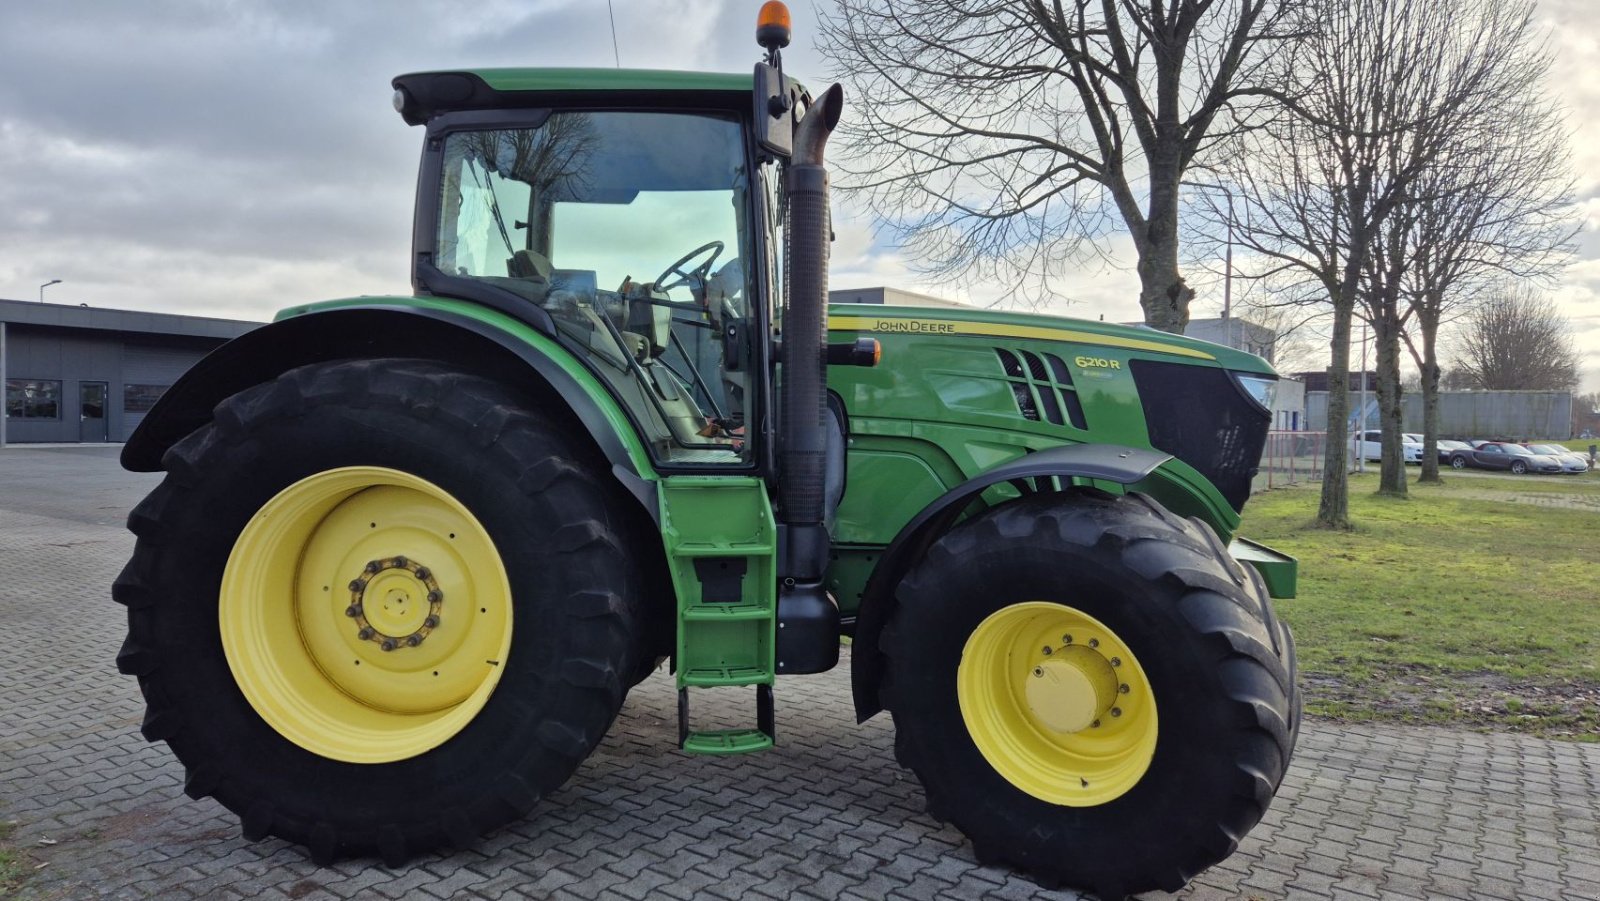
<point x="1547" y="449"/>
<point x="1517" y="449"/>
<point x="630" y="229"/>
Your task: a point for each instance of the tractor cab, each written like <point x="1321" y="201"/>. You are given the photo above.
<point x="641" y="235"/>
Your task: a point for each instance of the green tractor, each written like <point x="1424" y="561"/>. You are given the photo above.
<point x="410" y="553"/>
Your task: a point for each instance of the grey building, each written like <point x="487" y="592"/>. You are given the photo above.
<point x="79" y="373"/>
<point x="1240" y="334"/>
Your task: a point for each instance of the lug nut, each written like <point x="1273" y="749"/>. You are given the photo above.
<point x="1094" y="642"/>
<point x="1116" y="661"/>
<point x="1123" y="688"/>
<point x="1048" y="651"/>
<point x="366" y="634"/>
<point x="1094" y="725"/>
<point x="431" y="622"/>
<point x="357" y="585"/>
<point x="1038" y="672"/>
<point x="372" y="566"/>
<point x="388" y="644"/>
<point x="401" y="561"/>
<point x="353" y="610"/>
<point x="435" y="596"/>
<point x="1116" y="711"/>
<point x="423" y="573"/>
<point x="414" y="640"/>
<point x="1066" y="639"/>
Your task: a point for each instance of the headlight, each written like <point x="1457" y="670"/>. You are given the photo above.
<point x="1261" y="390"/>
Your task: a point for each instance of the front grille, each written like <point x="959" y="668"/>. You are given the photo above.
<point x="1198" y="414"/>
<point x="1041" y="392"/>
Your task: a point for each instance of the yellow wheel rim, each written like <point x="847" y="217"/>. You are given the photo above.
<point x="365" y="614"/>
<point x="1057" y="704"/>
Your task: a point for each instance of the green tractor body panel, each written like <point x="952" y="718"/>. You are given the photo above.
<point x="959" y="392"/>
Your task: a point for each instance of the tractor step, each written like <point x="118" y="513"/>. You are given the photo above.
<point x="722" y="742"/>
<point x="727" y="741"/>
<point x="721" y="676"/>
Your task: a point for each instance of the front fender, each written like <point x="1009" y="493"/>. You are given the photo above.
<point x="1104" y="462"/>
<point x="449" y="331"/>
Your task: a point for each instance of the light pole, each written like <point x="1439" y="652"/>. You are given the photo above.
<point x="1227" y="272"/>
<point x="54" y="281"/>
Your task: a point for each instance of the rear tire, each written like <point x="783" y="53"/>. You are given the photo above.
<point x="572" y="595"/>
<point x="1219" y="665"/>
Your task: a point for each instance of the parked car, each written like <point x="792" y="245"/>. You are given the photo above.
<point x="1447" y="446"/>
<point x="1372" y="446"/>
<point x="1571" y="461"/>
<point x="1505" y="456"/>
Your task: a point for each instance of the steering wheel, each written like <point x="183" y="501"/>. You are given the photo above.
<point x="697" y="275"/>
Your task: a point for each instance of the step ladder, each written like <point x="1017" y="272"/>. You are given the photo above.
<point x="721" y="545"/>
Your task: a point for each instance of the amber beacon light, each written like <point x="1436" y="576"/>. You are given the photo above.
<point x="772" y="25"/>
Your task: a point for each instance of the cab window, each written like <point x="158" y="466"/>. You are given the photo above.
<point x="631" y="229"/>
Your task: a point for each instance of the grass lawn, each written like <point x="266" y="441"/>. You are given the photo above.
<point x="1474" y="603"/>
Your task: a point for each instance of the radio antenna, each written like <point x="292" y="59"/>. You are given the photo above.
<point x="614" y="54"/>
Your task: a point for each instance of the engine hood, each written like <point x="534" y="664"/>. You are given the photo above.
<point x="932" y="321"/>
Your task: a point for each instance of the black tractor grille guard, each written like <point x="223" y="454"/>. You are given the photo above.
<point x="1201" y="416"/>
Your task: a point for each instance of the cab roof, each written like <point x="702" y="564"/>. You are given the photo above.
<point x="427" y="94"/>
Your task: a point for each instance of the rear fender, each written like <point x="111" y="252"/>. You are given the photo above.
<point x="471" y="337"/>
<point x="1104" y="462"/>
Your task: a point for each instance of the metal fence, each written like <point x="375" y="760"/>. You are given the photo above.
<point x="1291" y="458"/>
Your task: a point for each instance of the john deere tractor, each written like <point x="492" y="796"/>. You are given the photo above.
<point x="410" y="553"/>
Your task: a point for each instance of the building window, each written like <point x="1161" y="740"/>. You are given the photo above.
<point x="140" y="398"/>
<point x="33" y="399"/>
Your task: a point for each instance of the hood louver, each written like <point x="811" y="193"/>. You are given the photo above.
<point x="1042" y="387"/>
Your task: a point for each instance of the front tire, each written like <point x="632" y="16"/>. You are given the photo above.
<point x="1135" y="784"/>
<point x="1518" y="467"/>
<point x="425" y="615"/>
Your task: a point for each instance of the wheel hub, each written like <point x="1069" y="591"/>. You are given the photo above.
<point x="1071" y="690"/>
<point x="395" y="603"/>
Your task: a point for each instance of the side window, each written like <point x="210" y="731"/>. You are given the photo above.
<point x="478" y="202"/>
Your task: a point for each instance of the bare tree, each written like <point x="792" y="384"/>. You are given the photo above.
<point x="1001" y="138"/>
<point x="1518" y="340"/>
<point x="1498" y="208"/>
<point x="1364" y="115"/>
<point x="1383" y="93"/>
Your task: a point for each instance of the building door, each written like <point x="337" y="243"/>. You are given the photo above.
<point x="92" y="412"/>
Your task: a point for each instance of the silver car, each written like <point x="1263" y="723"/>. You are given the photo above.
<point x="1571" y="462"/>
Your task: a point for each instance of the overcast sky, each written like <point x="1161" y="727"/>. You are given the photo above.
<point x="231" y="157"/>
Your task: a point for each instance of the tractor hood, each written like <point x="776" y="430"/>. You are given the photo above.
<point x="877" y="319"/>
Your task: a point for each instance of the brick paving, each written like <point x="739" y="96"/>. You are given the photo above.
<point x="1365" y="813"/>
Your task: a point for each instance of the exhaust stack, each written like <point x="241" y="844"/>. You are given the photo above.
<point x="808" y="636"/>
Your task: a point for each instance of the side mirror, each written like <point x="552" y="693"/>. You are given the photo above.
<point x="775" y="104"/>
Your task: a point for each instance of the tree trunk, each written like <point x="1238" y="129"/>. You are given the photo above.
<point x="1163" y="294"/>
<point x="1334" y="509"/>
<point x="1392" y="469"/>
<point x="1430" y="401"/>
